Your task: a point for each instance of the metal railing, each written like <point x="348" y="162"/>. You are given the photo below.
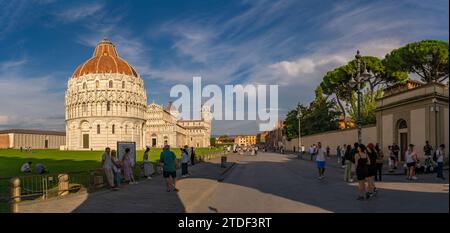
<point x="40" y="187"/>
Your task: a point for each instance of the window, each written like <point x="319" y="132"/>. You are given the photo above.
<point x="84" y="107"/>
<point x="126" y="129"/>
<point x="123" y="84"/>
<point x="111" y="84"/>
<point x="126" y="107"/>
<point x="113" y="129"/>
<point x="108" y="106"/>
<point x="402" y="125"/>
<point x="98" y="129"/>
<point x="84" y="86"/>
<point x="97" y="84"/>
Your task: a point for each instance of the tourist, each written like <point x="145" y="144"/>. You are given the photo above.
<point x="395" y="151"/>
<point x="343" y="149"/>
<point x="338" y="154"/>
<point x="302" y="150"/>
<point x="107" y="167"/>
<point x="128" y="168"/>
<point x="192" y="154"/>
<point x="184" y="161"/>
<point x="148" y="166"/>
<point x="26" y="167"/>
<point x="372" y="154"/>
<point x="439" y="154"/>
<point x="320" y="160"/>
<point x="411" y="161"/>
<point x="311" y="152"/>
<point x="40" y="168"/>
<point x="116" y="168"/>
<point x="362" y="163"/>
<point x="348" y="157"/>
<point x="427" y="149"/>
<point x="391" y="159"/>
<point x="379" y="161"/>
<point x="168" y="159"/>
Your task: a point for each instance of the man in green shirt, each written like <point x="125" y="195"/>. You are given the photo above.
<point x="168" y="159"/>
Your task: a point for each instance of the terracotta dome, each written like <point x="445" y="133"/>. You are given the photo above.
<point x="105" y="60"/>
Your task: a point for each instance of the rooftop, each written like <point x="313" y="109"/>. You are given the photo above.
<point x="32" y="131"/>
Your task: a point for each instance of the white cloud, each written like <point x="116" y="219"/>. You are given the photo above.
<point x="80" y="12"/>
<point x="3" y="119"/>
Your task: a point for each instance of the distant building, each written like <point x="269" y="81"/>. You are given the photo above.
<point x="220" y="140"/>
<point x="36" y="139"/>
<point x="245" y="140"/>
<point x="106" y="102"/>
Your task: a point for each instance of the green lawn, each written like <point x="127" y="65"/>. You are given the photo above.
<point x="58" y="161"/>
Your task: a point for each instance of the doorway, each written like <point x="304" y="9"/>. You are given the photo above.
<point x="86" y="141"/>
<point x="402" y="138"/>
<point x="46" y="144"/>
<point x="153" y="142"/>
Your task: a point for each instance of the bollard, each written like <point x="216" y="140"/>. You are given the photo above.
<point x="63" y="185"/>
<point x="14" y="195"/>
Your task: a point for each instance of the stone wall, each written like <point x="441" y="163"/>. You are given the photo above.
<point x="4" y="141"/>
<point x="335" y="138"/>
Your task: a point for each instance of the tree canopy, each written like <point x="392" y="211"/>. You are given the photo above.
<point x="427" y="58"/>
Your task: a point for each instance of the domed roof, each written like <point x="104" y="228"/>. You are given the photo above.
<point x="105" y="60"/>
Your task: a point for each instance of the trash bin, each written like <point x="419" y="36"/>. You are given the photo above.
<point x="223" y="161"/>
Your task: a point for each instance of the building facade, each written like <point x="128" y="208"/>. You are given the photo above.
<point x="106" y="102"/>
<point x="245" y="140"/>
<point x="36" y="139"/>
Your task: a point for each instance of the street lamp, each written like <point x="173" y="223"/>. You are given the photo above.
<point x="357" y="79"/>
<point x="299" y="115"/>
<point x="435" y="109"/>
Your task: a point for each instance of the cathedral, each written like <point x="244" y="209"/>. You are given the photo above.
<point x="106" y="102"/>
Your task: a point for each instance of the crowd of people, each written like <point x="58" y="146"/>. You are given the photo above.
<point x="365" y="163"/>
<point x="116" y="168"/>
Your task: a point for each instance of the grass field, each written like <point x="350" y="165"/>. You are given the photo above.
<point x="58" y="161"/>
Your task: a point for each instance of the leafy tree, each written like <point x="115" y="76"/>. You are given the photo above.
<point x="336" y="82"/>
<point x="319" y="116"/>
<point x="427" y="58"/>
<point x="212" y="141"/>
<point x="367" y="107"/>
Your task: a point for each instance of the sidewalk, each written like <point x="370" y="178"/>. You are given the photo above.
<point x="147" y="196"/>
<point x="332" y="162"/>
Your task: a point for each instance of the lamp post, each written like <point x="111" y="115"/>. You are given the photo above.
<point x="435" y="109"/>
<point x="299" y="115"/>
<point x="357" y="79"/>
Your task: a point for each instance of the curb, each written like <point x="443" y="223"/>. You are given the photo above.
<point x="222" y="175"/>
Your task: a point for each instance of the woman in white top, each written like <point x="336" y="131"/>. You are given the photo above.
<point x="148" y="166"/>
<point x="184" y="161"/>
<point x="411" y="161"/>
<point x="320" y="161"/>
<point x="108" y="167"/>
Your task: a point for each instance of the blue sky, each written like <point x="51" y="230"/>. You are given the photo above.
<point x="289" y="43"/>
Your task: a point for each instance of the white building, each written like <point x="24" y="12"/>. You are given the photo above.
<point x="106" y="102"/>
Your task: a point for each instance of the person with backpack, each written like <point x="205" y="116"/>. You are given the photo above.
<point x="438" y="157"/>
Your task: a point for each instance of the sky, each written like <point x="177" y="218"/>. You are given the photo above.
<point x="290" y="43"/>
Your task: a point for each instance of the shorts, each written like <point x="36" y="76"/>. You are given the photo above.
<point x="372" y="170"/>
<point x="171" y="174"/>
<point x="412" y="164"/>
<point x="320" y="164"/>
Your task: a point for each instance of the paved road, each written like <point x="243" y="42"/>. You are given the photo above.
<point x="265" y="183"/>
<point x="281" y="183"/>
